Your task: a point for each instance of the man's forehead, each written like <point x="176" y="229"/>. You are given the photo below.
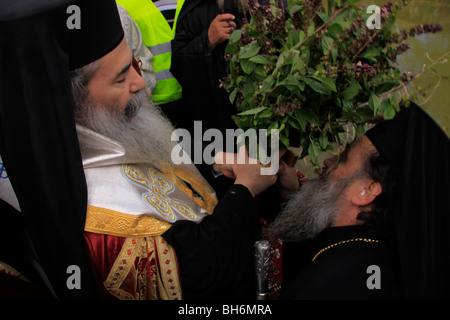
<point x="361" y="144"/>
<point x="114" y="62"/>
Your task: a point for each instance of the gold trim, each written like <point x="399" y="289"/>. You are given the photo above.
<point x="158" y="188"/>
<point x="6" y="268"/>
<point x="342" y="242"/>
<point x="169" y="279"/>
<point x="209" y="201"/>
<point x="115" y="223"/>
<point x="145" y="269"/>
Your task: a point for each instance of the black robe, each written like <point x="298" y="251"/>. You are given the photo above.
<point x="215" y="257"/>
<point x="341" y="272"/>
<point x="198" y="69"/>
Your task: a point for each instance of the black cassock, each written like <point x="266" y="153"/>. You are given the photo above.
<point x="342" y="263"/>
<point x="418" y="219"/>
<point x="198" y="69"/>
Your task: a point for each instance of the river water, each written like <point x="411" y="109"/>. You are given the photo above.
<point x="425" y="47"/>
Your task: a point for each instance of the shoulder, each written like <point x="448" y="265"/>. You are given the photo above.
<point x="357" y="270"/>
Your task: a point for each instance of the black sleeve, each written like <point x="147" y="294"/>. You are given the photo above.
<point x="215" y="257"/>
<point x="190" y="46"/>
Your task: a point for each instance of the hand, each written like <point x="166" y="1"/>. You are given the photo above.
<point x="225" y="163"/>
<point x="249" y="175"/>
<point x="220" y="29"/>
<point x="287" y="181"/>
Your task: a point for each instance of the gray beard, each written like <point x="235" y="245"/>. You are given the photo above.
<point x="311" y="210"/>
<point x="142" y="129"/>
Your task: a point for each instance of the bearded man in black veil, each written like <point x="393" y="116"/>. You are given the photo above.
<point x="375" y="227"/>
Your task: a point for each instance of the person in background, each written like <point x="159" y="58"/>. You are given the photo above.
<point x="157" y="33"/>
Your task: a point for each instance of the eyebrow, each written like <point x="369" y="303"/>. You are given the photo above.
<point x="123" y="71"/>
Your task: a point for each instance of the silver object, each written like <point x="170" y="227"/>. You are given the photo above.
<point x="262" y="260"/>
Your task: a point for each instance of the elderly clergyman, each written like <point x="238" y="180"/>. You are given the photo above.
<point x="154" y="230"/>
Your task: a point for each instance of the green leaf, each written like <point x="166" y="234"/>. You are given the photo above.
<point x="334" y="29"/>
<point x="326" y="44"/>
<point x="233" y="95"/>
<point x="313" y="150"/>
<point x="352" y="91"/>
<point x="300" y="118"/>
<point x="310" y="116"/>
<point x="371" y="53"/>
<point x="306" y="115"/>
<point x="374" y="103"/>
<point x="274" y="125"/>
<point x="249" y="50"/>
<point x="323" y="16"/>
<point x="316" y="86"/>
<point x="290" y="80"/>
<point x="327" y="82"/>
<point x="252" y="111"/>
<point x="235" y="37"/>
<point x="266" y="85"/>
<point x="385" y="86"/>
<point x="266" y="113"/>
<point x="247" y="66"/>
<point x="292" y="121"/>
<point x="323" y="140"/>
<point x="285" y="141"/>
<point x="311" y="29"/>
<point x="260" y="59"/>
<point x="295" y="8"/>
<point x="301" y="36"/>
<point x="389" y="113"/>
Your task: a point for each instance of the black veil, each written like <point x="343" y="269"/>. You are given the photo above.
<point x="38" y="140"/>
<point x="418" y="151"/>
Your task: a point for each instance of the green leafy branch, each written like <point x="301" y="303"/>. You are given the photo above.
<point x="311" y="70"/>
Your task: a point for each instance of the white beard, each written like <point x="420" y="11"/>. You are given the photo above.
<point x="142" y="129"/>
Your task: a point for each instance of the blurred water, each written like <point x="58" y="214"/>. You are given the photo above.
<point x="424" y="48"/>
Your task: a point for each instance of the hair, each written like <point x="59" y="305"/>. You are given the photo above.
<point x="377" y="168"/>
<point x="79" y="79"/>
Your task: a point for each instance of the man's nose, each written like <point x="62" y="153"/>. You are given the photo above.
<point x="138" y="82"/>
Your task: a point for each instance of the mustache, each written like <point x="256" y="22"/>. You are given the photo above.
<point x="134" y="104"/>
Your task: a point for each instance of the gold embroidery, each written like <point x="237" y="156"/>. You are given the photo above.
<point x="168" y="271"/>
<point x="6" y="268"/>
<point x="209" y="201"/>
<point x="145" y="269"/>
<point x="159" y="187"/>
<point x="106" y="221"/>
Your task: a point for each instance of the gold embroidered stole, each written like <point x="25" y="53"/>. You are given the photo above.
<point x="145" y="269"/>
<point x="146" y="266"/>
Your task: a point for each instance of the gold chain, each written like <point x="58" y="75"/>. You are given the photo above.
<point x="342" y="242"/>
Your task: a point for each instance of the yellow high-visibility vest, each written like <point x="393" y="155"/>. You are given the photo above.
<point x="157" y="36"/>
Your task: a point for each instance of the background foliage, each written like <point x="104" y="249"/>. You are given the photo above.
<point x="309" y="69"/>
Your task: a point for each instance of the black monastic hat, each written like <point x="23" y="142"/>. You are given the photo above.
<point x="99" y="32"/>
<point x="418" y="151"/>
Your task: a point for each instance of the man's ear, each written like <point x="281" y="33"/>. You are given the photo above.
<point x="367" y="193"/>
